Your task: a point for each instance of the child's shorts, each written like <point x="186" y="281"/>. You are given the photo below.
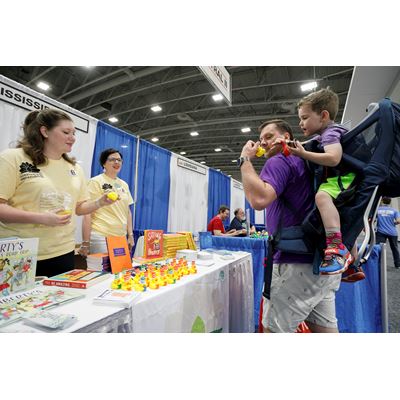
<point x="332" y="186"/>
<point x="298" y="295"/>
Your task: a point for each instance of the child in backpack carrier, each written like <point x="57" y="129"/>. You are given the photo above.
<point x="317" y="112"/>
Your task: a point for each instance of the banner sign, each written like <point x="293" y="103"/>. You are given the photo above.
<point x="192" y="166"/>
<point x="219" y="77"/>
<point x="30" y="102"/>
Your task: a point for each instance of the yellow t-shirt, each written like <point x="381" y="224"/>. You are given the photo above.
<point x="110" y="220"/>
<point x="58" y="184"/>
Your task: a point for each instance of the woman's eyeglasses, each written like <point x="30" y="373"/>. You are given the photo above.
<point x="112" y="159"/>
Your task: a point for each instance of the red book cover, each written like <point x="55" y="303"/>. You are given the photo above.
<point x="153" y="244"/>
<point x="77" y="279"/>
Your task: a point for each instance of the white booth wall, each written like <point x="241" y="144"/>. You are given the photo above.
<point x="237" y="197"/>
<point x="188" y="196"/>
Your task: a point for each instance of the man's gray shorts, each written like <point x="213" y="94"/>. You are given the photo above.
<point x="297" y="295"/>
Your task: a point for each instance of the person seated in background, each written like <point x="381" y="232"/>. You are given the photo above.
<point x="216" y="227"/>
<point x="238" y="223"/>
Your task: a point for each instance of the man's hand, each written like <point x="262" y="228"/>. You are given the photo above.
<point x="250" y="149"/>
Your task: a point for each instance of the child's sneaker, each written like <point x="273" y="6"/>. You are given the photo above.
<point x="353" y="274"/>
<point x="336" y="261"/>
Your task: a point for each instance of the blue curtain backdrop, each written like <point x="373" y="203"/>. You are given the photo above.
<point x="153" y="187"/>
<point x="358" y="305"/>
<point x="108" y="136"/>
<point x="252" y="215"/>
<point x="219" y="193"/>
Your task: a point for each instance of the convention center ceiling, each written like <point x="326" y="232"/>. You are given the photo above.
<point x="185" y="102"/>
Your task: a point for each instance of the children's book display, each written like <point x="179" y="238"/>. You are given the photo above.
<point x="190" y="241"/>
<point x="77" y="279"/>
<point x="17" y="264"/>
<point x="174" y="242"/>
<point x="118" y="251"/>
<point x="24" y="304"/>
<point x="153" y="247"/>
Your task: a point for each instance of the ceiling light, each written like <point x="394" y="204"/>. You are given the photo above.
<point x="217" y="97"/>
<point x="218" y="170"/>
<point x="230" y="175"/>
<point x="154" y="139"/>
<point x="182" y="153"/>
<point x="43" y="85"/>
<point x="217" y="149"/>
<point x="234" y="160"/>
<point x="244" y="130"/>
<point x="202" y="162"/>
<point x="156" y="108"/>
<point x="308" y="86"/>
<point x="113" y="119"/>
<point x="194" y="133"/>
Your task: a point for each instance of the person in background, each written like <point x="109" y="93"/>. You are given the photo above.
<point x="238" y="223"/>
<point x="115" y="220"/>
<point x="387" y="219"/>
<point x="216" y="227"/>
<point x="296" y="294"/>
<point x="43" y="189"/>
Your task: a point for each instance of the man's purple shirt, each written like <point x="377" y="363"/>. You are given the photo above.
<point x="289" y="178"/>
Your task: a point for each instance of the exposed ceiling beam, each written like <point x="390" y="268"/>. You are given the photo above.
<point x="115" y="82"/>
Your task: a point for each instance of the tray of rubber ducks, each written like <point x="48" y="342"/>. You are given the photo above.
<point x="153" y="276"/>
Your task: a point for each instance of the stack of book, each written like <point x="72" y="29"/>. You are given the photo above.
<point x="98" y="262"/>
<point x="172" y="243"/>
<point x="118" y="298"/>
<point x="189" y="239"/>
<point x="77" y="278"/>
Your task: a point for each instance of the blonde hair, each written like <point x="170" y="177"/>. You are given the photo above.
<point x="324" y="99"/>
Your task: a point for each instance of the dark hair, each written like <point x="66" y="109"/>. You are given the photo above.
<point x="222" y="209"/>
<point x="324" y="99"/>
<point x="386" y="200"/>
<point x="281" y="125"/>
<point x="105" y="153"/>
<point x="33" y="141"/>
<point x="236" y="212"/>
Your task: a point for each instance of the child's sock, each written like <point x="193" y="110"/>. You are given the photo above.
<point x="334" y="238"/>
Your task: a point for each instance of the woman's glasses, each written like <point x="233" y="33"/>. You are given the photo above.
<point x="113" y="159"/>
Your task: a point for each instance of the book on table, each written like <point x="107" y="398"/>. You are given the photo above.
<point x="17" y="264"/>
<point x="77" y="279"/>
<point x="19" y="305"/>
<point x="118" y="298"/>
<point x="118" y="250"/>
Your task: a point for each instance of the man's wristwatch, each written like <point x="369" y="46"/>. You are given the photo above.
<point x="241" y="160"/>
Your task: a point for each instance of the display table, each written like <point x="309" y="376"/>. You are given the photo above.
<point x="218" y="298"/>
<point x="258" y="249"/>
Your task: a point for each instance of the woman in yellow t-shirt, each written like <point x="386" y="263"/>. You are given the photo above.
<point x="43" y="189"/>
<point x="115" y="220"/>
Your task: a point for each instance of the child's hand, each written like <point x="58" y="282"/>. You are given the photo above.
<point x="298" y="149"/>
